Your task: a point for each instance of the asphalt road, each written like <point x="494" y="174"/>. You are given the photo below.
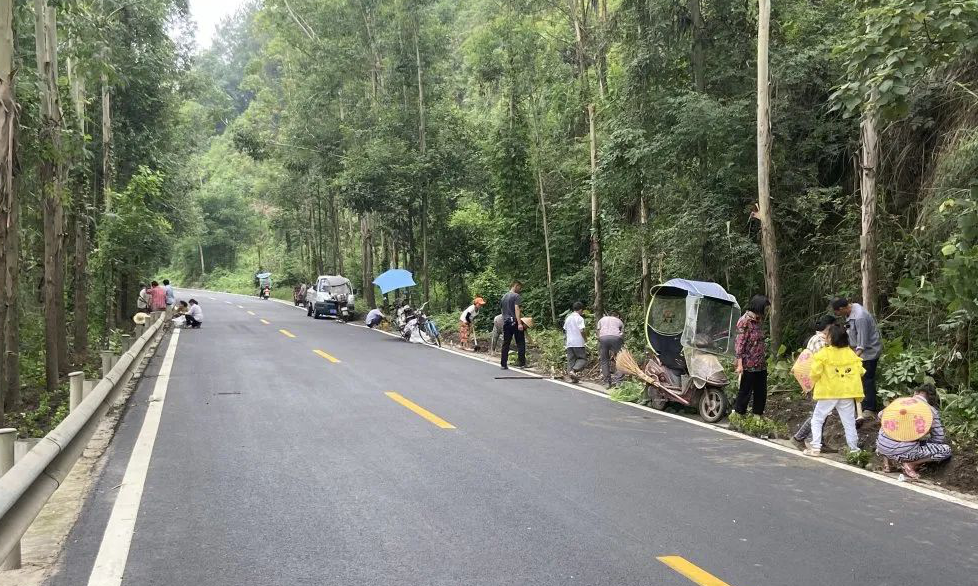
<point x="274" y="465"/>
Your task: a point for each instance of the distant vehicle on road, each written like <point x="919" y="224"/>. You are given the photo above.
<point x="330" y="296"/>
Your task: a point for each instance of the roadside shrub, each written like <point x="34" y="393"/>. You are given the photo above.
<point x="628" y="392"/>
<point x="859" y="458"/>
<point x="758" y="426"/>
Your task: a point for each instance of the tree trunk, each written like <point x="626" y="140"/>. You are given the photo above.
<point x="422" y="138"/>
<point x="335" y="225"/>
<point x="49" y="176"/>
<point x="80" y="281"/>
<point x="367" y="261"/>
<point x="867" y="188"/>
<point x="320" y="265"/>
<point x="546" y="243"/>
<point x="596" y="220"/>
<point x="200" y="249"/>
<point x="768" y="238"/>
<point x="643" y="216"/>
<point x="106" y="143"/>
<point x="698" y="60"/>
<point x="9" y="228"/>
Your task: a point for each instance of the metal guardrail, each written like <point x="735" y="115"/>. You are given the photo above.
<point x="26" y="487"/>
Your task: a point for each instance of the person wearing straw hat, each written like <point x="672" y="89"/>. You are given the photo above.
<point x="837" y="372"/>
<point x="466" y="319"/>
<point x="818" y="341"/>
<point x="911" y="432"/>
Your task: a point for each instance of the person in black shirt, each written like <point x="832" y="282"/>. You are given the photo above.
<point x="513" y="326"/>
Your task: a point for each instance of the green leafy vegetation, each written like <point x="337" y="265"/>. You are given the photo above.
<point x="758" y="426"/>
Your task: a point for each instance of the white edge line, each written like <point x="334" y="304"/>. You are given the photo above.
<point x="771" y="445"/>
<point x="113" y="553"/>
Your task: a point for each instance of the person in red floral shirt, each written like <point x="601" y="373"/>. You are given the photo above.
<point x="751" y="348"/>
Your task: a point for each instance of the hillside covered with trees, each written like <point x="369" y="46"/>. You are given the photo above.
<point x="590" y="148"/>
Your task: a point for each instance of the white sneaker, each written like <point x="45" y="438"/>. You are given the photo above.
<point x="813" y="452"/>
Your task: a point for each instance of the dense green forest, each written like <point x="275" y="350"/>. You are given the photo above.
<point x="590" y="148"/>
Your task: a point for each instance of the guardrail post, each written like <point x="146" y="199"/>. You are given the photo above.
<point x="106" y="362"/>
<point x="126" y="343"/>
<point x="87" y="387"/>
<point x="8" y="437"/>
<point x="76" y="389"/>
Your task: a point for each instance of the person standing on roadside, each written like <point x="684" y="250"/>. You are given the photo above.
<point x="142" y="301"/>
<point x="836" y="372"/>
<point x="751" y="349"/>
<point x="466" y="319"/>
<point x="171" y="298"/>
<point x="818" y="341"/>
<point x="513" y="326"/>
<point x="574" y="327"/>
<point x="157" y="297"/>
<point x="864" y="337"/>
<point x="611" y="336"/>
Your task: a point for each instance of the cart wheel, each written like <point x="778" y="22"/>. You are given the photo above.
<point x="713" y="404"/>
<point x="656" y="400"/>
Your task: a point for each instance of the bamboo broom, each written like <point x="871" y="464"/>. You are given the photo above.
<point x="626" y="363"/>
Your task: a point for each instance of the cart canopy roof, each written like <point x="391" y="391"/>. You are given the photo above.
<point x="333" y="280"/>
<point x="697" y="288"/>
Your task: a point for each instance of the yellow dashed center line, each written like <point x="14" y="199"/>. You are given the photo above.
<point x="287" y="333"/>
<point x="420" y="411"/>
<point x="327" y="356"/>
<point x="691" y="571"/>
<point x="241" y="307"/>
<point x="229" y="303"/>
<point x="266" y="322"/>
<point x="251" y="313"/>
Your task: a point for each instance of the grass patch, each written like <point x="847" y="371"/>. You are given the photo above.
<point x="859" y="458"/>
<point x="757" y="426"/>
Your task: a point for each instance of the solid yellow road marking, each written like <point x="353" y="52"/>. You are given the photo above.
<point x="326" y="356"/>
<point x="266" y="322"/>
<point x="287" y="333"/>
<point x="694" y="573"/>
<point x="251" y="313"/>
<point x="420" y="411"/>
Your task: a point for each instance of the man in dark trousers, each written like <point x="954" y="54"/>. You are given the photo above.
<point x="513" y="326"/>
<point x="864" y="337"/>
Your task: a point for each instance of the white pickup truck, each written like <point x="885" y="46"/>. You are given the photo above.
<point x="330" y="296"/>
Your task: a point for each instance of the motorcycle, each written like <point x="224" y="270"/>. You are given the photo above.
<point x="410" y="321"/>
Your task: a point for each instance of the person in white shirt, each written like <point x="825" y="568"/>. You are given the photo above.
<point x="466" y="321"/>
<point x="576" y="351"/>
<point x="611" y="335"/>
<point x="195" y="316"/>
<point x="374" y="317"/>
<point x="142" y="302"/>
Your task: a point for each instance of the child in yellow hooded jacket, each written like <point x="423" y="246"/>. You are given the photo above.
<point x="837" y="372"/>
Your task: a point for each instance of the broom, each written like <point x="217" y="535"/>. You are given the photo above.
<point x="626" y="363"/>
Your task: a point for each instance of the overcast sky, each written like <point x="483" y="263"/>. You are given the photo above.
<point x="207" y="14"/>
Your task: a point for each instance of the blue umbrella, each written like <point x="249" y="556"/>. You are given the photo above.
<point x="394" y="279"/>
